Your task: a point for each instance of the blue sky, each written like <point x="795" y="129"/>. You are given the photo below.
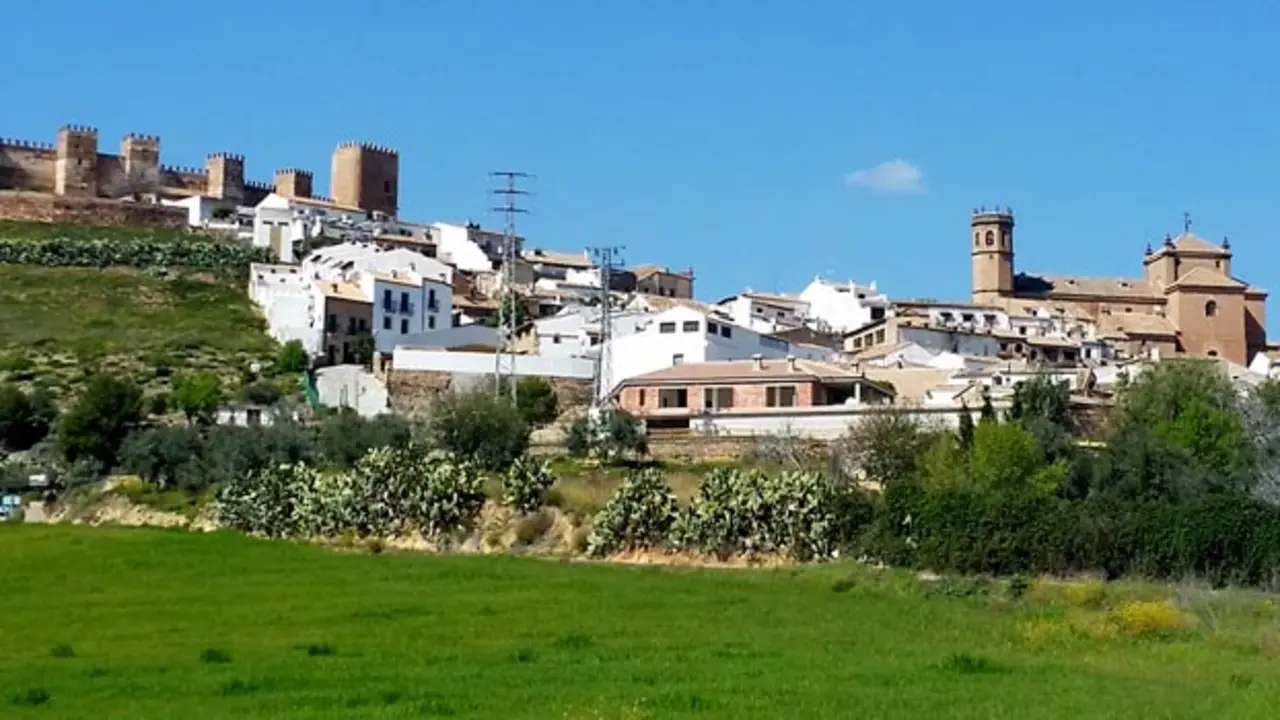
<point x="719" y="134"/>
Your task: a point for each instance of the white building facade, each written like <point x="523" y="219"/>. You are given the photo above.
<point x="843" y="307"/>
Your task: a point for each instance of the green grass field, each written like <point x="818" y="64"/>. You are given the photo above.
<point x="65" y="322"/>
<point x="116" y="623"/>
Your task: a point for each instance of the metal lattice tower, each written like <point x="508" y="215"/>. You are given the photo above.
<point x="606" y="258"/>
<point x="504" y="368"/>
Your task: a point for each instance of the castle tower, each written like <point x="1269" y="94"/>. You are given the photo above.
<point x="366" y="176"/>
<point x="293" y="183"/>
<point x="140" y="160"/>
<point x="225" y="176"/>
<point x="992" y="254"/>
<point x="76" y="164"/>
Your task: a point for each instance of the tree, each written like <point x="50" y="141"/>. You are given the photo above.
<point x="1178" y="432"/>
<point x="536" y="398"/>
<point x="198" y="396"/>
<point x="478" y="426"/>
<point x="510" y="306"/>
<point x="345" y="437"/>
<point x="964" y="432"/>
<point x="885" y="447"/>
<point x="24" y="419"/>
<point x="292" y="357"/>
<point x="1007" y="458"/>
<point x="988" y="412"/>
<point x="260" y="392"/>
<point x="363" y="350"/>
<point x="607" y="435"/>
<point x="1042" y="397"/>
<point x="94" y="427"/>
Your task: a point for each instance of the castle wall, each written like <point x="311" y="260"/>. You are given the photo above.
<point x="182" y="181"/>
<point x="26" y="166"/>
<point x="111" y="176"/>
<point x="43" y="207"/>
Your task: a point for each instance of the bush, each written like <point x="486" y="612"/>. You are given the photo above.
<point x="883" y="448"/>
<point x="132" y="252"/>
<point x="479" y="427"/>
<point x="345" y="437"/>
<point x="98" y="422"/>
<point x="537" y="401"/>
<point x="525" y="484"/>
<point x="608" y="435"/>
<point x="24" y="419"/>
<point x="165" y="457"/>
<point x="292" y="358"/>
<point x="260" y="392"/>
<point x="637" y="517"/>
<point x="751" y="513"/>
<point x="198" y="396"/>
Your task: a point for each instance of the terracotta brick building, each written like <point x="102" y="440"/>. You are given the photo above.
<point x="669" y="397"/>
<point x="1186" y="302"/>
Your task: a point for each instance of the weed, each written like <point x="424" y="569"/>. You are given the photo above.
<point x="1018" y="587"/>
<point x="525" y="655"/>
<point x="533" y="526"/>
<point x="1042" y="633"/>
<point x="574" y="641"/>
<point x="844" y="585"/>
<point x="63" y="650"/>
<point x="966" y="664"/>
<point x="1148" y="618"/>
<point x="1240" y="681"/>
<point x="214" y="656"/>
<point x="33" y="697"/>
<point x="957" y="586"/>
<point x="236" y="686"/>
<point x="318" y="649"/>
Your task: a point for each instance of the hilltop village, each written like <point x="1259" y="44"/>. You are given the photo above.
<point x="391" y="309"/>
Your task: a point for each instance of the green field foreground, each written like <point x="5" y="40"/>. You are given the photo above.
<point x="131" y="623"/>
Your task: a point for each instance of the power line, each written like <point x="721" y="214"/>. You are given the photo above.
<point x="505" y="358"/>
<point x="605" y="258"/>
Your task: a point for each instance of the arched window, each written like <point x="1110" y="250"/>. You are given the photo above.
<point x="977" y="239"/>
<point x="1004" y="239"/>
<point x="1210" y="309"/>
<point x="991" y="238"/>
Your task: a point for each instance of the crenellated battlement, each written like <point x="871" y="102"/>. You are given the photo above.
<point x="293" y="171"/>
<point x="142" y="137"/>
<point x="225" y="156"/>
<point x="85" y="129"/>
<point x="369" y="147"/>
<point x="256" y="185"/>
<point x="26" y="144"/>
<point x="181" y="170"/>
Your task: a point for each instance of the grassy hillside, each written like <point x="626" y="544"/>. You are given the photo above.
<point x="117" y="623"/>
<point x="59" y="324"/>
<point x="26" y="230"/>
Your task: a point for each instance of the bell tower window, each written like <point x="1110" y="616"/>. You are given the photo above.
<point x="991" y="238"/>
<point x="1210" y="309"/>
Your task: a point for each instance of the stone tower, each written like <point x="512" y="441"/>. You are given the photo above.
<point x="76" y="163"/>
<point x="293" y="183"/>
<point x="224" y="174"/>
<point x="140" y="161"/>
<point x="992" y="254"/>
<point x="367" y="177"/>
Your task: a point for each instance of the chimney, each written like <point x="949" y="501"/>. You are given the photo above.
<point x="757" y="361"/>
<point x="791" y="363"/>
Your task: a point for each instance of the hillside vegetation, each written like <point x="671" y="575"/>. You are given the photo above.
<point x="137" y="302"/>
<point x="118" y="623"/>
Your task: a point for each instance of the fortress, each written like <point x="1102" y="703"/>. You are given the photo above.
<point x="363" y="177"/>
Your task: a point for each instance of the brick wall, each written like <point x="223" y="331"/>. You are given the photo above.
<point x="39" y="207"/>
<point x="639" y="400"/>
<point x="412" y="391"/>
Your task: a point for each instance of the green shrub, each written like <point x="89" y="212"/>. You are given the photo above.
<point x="608" y="435"/>
<point x="198" y="396"/>
<point x="525" y="484"/>
<point x="637" y="517"/>
<point x="131" y="252"/>
<point x="292" y="358"/>
<point x="479" y="427"/>
<point x="25" y="419"/>
<point x="260" y="392"/>
<point x="753" y="513"/>
<point x="94" y="427"/>
<point x="345" y="437"/>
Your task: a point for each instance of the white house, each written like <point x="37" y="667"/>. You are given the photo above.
<point x="290" y="302"/>
<point x="684" y="334"/>
<point x="842" y="307"/>
<point x="575" y="332"/>
<point x="470" y="247"/>
<point x="282" y="223"/>
<point x="765" y="312"/>
<point x="405" y="304"/>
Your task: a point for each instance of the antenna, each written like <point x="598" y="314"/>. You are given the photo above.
<point x="505" y="358"/>
<point x="605" y="257"/>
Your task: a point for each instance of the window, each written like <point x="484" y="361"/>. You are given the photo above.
<point x="780" y="396"/>
<point x="386" y="322"/>
<point x="431" y="300"/>
<point x="966" y="317"/>
<point x="386" y="300"/>
<point x="404" y="326"/>
<point x="1213" y="353"/>
<point x="877" y="313"/>
<point x="331" y="323"/>
<point x="712" y="328"/>
<point x="991" y="238"/>
<point x="717" y="398"/>
<point x="726" y="331"/>
<point x="677" y="359"/>
<point x="641" y="393"/>
<point x="666" y="328"/>
<point x="690" y="326"/>
<point x="404" y="302"/>
<point x="351" y="326"/>
<point x="977" y="239"/>
<point x="1210" y="309"/>
<point x="759" y="310"/>
<point x="990" y="320"/>
<point x="555" y="340"/>
<point x="364" y="326"/>
<point x="386" y="186"/>
<point x="782" y="313"/>
<point x="879" y="336"/>
<point x="673" y="398"/>
<point x="1022" y="330"/>
<point x="431" y="322"/>
<point x="857" y="342"/>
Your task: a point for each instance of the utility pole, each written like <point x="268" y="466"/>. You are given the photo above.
<point x="505" y="359"/>
<point x="607" y="258"/>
